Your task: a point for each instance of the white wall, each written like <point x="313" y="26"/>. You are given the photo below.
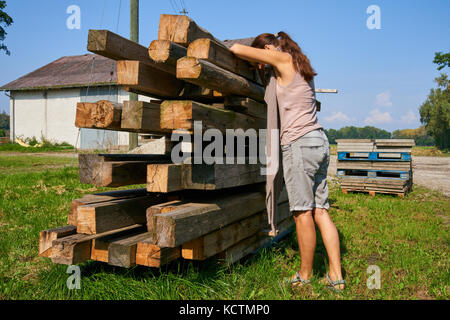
<point x="61" y="110"/>
<point x="29" y="114"/>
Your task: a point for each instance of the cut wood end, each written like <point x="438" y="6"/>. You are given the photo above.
<point x="159" y="50"/>
<point x="199" y="48"/>
<point x="188" y="68"/>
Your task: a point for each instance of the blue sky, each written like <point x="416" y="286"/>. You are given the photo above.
<point x="383" y="75"/>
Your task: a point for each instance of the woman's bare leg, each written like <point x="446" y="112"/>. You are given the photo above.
<point x="306" y="236"/>
<point x="330" y="238"/>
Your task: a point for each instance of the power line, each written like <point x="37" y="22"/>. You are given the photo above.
<point x="173" y="6"/>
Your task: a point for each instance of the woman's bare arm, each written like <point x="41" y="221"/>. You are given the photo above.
<point x="272" y="57"/>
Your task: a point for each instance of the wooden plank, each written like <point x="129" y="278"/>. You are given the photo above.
<point x="122" y="253"/>
<point x="206" y="74"/>
<point x="105" y="216"/>
<point x="76" y="248"/>
<point x="46" y="238"/>
<point x="143" y="78"/>
<point x="182" y="114"/>
<point x="165" y="51"/>
<point x="181" y="29"/>
<point x="219" y="240"/>
<point x="142" y="116"/>
<point x="247" y="106"/>
<point x="101" y="197"/>
<point x="200" y="218"/>
<point x="150" y="255"/>
<point x="374" y="165"/>
<point x="216" y="53"/>
<point x="175" y="177"/>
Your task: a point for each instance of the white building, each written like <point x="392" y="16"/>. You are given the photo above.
<point x="43" y="102"/>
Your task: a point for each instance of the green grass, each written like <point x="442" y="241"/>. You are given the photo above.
<point x="407" y="238"/>
<point x="10" y="164"/>
<point x="14" y="147"/>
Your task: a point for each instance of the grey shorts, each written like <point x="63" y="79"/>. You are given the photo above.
<point x="305" y="165"/>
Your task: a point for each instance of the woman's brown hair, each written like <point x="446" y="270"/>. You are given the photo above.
<point x="286" y="44"/>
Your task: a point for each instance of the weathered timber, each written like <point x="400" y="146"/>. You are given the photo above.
<point x="197" y="219"/>
<point x="181" y="29"/>
<point x="97" y="170"/>
<point x="100" y="246"/>
<point x="106" y="216"/>
<point x="46" y="238"/>
<point x="76" y="248"/>
<point x="83" y="117"/>
<point x="142" y="116"/>
<point x="150" y="255"/>
<point x="143" y="78"/>
<point x="115" y="47"/>
<point x="206" y="74"/>
<point x="219" y="240"/>
<point x="101" y="197"/>
<point x="165" y="51"/>
<point x="182" y="114"/>
<point x="122" y="252"/>
<point x="107" y="114"/>
<point x="175" y="177"/>
<point x="216" y="53"/>
<point x="253" y="243"/>
<point x="247" y="106"/>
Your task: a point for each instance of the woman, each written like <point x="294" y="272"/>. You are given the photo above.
<point x="305" y="149"/>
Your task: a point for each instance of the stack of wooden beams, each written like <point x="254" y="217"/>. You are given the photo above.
<point x="189" y="210"/>
<point x="375" y="166"/>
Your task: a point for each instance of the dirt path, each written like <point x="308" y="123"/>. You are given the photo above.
<point x="430" y="172"/>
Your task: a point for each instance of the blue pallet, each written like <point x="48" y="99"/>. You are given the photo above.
<point x="374" y="174"/>
<point x="373" y="156"/>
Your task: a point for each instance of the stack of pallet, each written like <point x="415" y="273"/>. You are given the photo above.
<point x="375" y="166"/>
<point x="189" y="210"/>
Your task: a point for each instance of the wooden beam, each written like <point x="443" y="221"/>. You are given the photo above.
<point x="76" y="248"/>
<point x="175" y="177"/>
<point x="182" y="114"/>
<point x="247" y="106"/>
<point x="206" y="74"/>
<point x="105" y="216"/>
<point x="115" y="47"/>
<point x="122" y="253"/>
<point x="100" y="246"/>
<point x="165" y="51"/>
<point x="253" y="243"/>
<point x="83" y="117"/>
<point x="219" y="240"/>
<point x="46" y="238"/>
<point x="150" y="255"/>
<point x="216" y="53"/>
<point x="141" y="77"/>
<point x="101" y="197"/>
<point x="142" y="116"/>
<point x="181" y="29"/>
<point x="199" y="218"/>
<point x="94" y="169"/>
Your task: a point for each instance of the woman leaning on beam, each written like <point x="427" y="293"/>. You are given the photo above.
<point x="304" y="147"/>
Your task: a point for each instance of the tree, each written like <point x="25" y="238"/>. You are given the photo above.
<point x="5" y="21"/>
<point x="420" y="136"/>
<point x="4" y="121"/>
<point x="435" y="113"/>
<point x="442" y="60"/>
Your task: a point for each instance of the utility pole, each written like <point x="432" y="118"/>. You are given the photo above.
<point x="134" y="36"/>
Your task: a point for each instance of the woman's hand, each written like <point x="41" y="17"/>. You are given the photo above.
<point x="261" y="56"/>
